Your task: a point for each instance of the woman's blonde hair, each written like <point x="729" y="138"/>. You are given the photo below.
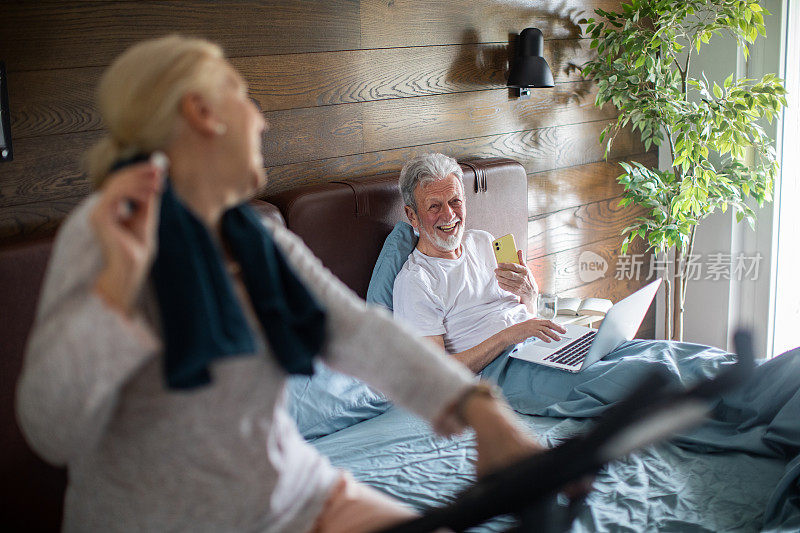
<point x="139" y="97"/>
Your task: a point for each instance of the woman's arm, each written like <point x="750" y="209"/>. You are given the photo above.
<point x="85" y="343"/>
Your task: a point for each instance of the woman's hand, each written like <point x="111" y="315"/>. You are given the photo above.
<point x="125" y="220"/>
<point x="500" y="441"/>
<point x="540" y="328"/>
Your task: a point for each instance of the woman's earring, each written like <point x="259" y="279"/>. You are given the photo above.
<point x="220" y="128"/>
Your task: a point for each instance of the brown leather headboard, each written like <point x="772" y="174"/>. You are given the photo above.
<point x="345" y="222"/>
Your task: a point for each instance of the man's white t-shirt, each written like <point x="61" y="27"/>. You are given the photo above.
<point x="458" y="298"/>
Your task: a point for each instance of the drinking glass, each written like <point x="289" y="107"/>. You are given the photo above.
<point x="547" y="306"/>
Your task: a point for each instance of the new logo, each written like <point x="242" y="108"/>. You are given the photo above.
<point x="591" y="266"/>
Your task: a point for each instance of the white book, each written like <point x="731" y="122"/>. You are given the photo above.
<point x="572" y="306"/>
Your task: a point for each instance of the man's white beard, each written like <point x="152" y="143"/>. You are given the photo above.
<point x="449" y="244"/>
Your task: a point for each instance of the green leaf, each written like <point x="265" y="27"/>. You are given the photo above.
<point x="633" y="70"/>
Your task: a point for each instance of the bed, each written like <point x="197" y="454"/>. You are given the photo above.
<point x="738" y="472"/>
<point x="684" y="485"/>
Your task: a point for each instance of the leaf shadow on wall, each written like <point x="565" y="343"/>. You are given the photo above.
<point x="486" y="65"/>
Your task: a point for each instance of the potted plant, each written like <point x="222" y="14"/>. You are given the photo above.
<point x="720" y="154"/>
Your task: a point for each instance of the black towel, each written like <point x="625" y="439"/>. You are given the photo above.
<point x="200" y="313"/>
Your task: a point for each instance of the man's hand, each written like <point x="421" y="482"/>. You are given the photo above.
<point x="518" y="279"/>
<point x="545" y="330"/>
<point x="477" y="357"/>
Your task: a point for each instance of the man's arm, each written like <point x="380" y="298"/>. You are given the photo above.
<point x="477" y="357"/>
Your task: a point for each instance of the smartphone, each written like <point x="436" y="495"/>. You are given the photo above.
<point x="505" y="249"/>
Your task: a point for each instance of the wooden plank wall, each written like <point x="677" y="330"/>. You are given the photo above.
<point x="350" y="88"/>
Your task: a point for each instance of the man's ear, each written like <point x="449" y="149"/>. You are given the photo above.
<point x="197" y="112"/>
<point x="412" y="217"/>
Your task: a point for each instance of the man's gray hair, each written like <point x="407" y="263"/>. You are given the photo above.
<point x="425" y="169"/>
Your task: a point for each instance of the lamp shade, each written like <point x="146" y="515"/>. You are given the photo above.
<point x="529" y="69"/>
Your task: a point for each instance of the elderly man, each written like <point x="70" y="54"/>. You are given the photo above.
<point x="451" y="289"/>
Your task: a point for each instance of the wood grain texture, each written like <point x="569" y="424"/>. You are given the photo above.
<point x="554" y="190"/>
<point x="49" y="168"/>
<point x="411" y="121"/>
<point x="46" y="168"/>
<point x="351" y="88"/>
<point x="50" y="34"/>
<point x="560" y="273"/>
<point x="404" y="23"/>
<point x="331" y="131"/>
<point x="24" y="222"/>
<point x="578" y="227"/>
<point x="47" y="102"/>
<point x="305" y="80"/>
<point x="537" y="150"/>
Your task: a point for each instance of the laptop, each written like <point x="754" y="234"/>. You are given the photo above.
<point x="582" y="347"/>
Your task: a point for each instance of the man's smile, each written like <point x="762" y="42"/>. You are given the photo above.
<point x="449" y="227"/>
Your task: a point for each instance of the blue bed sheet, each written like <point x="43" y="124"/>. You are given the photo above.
<point x="662" y="488"/>
<point x="737" y="473"/>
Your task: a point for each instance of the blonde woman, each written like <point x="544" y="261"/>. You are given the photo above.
<point x="170" y="319"/>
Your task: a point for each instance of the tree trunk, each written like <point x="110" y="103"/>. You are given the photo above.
<point x="677" y="331"/>
<point x="678" y="293"/>
<point x="668" y="307"/>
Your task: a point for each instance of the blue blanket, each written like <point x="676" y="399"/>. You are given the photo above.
<point x="760" y="418"/>
<point x="534" y="389"/>
<point x="738" y="472"/>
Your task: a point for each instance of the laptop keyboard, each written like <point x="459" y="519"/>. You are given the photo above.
<point x="573" y="353"/>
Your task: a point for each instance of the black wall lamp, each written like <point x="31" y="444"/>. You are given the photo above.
<point x="528" y="68"/>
